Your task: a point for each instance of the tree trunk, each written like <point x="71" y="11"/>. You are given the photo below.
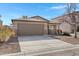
<point x="75" y="25"/>
<point x="75" y="30"/>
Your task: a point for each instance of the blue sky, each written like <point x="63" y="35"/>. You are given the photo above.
<point x="10" y="11"/>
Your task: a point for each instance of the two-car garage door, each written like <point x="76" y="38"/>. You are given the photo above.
<point x="30" y="29"/>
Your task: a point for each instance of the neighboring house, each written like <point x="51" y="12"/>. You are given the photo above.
<point x="65" y="23"/>
<point x="62" y="24"/>
<point x="35" y="25"/>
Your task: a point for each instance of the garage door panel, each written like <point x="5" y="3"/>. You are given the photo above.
<point x="30" y="29"/>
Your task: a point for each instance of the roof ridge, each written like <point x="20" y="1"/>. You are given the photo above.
<point x="39" y="17"/>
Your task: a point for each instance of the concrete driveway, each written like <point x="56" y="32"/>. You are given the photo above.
<point x="40" y="44"/>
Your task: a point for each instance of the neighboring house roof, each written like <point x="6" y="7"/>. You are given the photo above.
<point x="63" y="18"/>
<point x="60" y="19"/>
<point x="57" y="20"/>
<point x="34" y="18"/>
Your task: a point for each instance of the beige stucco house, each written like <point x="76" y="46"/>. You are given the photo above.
<point x="37" y="25"/>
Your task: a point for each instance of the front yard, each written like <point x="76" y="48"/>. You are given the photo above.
<point x="48" y="45"/>
<point x="69" y="39"/>
<point x="8" y="41"/>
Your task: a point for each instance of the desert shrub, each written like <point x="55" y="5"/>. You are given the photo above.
<point x="66" y="34"/>
<point x="5" y="34"/>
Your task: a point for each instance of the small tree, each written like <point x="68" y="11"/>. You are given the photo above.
<point x="71" y="10"/>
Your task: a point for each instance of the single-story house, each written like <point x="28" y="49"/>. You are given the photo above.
<point x="37" y="25"/>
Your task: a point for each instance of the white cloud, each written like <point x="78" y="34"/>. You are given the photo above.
<point x="59" y="7"/>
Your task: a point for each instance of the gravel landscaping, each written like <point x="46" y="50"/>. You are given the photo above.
<point x="11" y="46"/>
<point x="69" y="39"/>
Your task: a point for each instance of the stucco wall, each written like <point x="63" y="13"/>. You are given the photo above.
<point x="65" y="27"/>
